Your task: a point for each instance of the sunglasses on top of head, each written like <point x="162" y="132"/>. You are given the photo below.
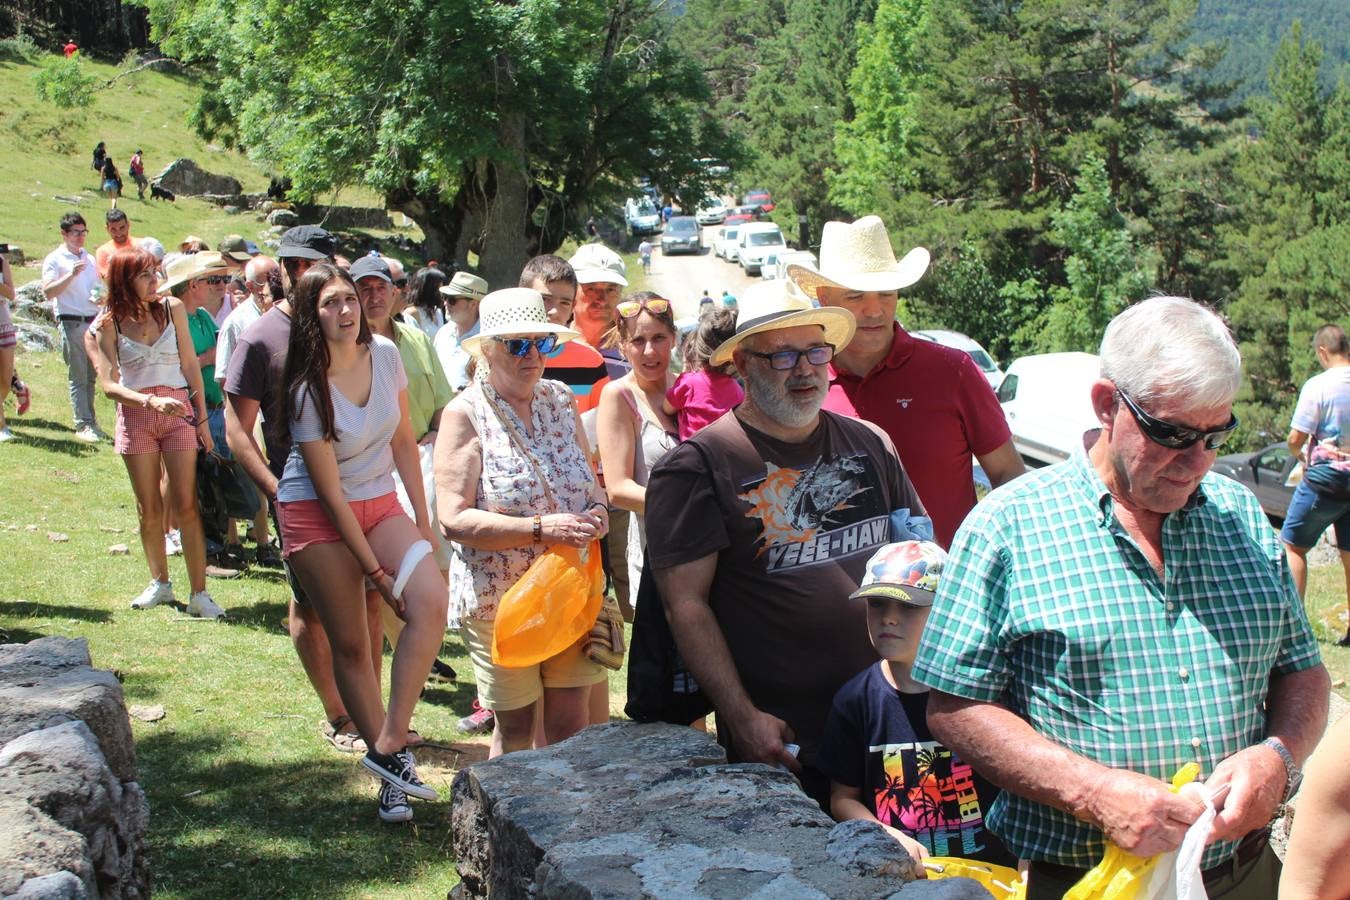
<point x="521" y="346"/>
<point x="657" y="306"/>
<point x="1173" y="436"/>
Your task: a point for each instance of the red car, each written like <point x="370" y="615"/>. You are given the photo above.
<point x="759" y="197"/>
<point x="738" y="215"/>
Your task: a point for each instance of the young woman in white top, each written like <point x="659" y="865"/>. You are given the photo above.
<point x="143" y="355"/>
<point x="342" y="525"/>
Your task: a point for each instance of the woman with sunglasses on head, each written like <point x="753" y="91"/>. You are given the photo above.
<point x="342" y="525"/>
<point x="633" y="427"/>
<point x="143" y="355"/>
<point x="513" y="478"/>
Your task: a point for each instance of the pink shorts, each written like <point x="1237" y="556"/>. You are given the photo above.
<point x="146" y="431"/>
<point x="305" y="522"/>
<point x="9" y="336"/>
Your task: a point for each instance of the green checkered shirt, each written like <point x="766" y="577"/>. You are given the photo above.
<point x="1049" y="607"/>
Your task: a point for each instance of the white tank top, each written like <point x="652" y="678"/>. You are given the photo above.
<point x="151" y="365"/>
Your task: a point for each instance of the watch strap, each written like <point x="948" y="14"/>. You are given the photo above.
<point x="1292" y="775"/>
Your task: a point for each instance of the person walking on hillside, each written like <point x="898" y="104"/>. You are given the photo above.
<point x="70" y="281"/>
<point x="112" y="179"/>
<point x="1320" y="434"/>
<point x="100" y="155"/>
<point x="137" y="169"/>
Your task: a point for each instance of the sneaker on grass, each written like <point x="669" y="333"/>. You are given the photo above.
<point x="480" y="721"/>
<point x="88" y="435"/>
<point x="202" y="606"/>
<point x="158" y="592"/>
<point x="398" y="769"/>
<point x="173" y="542"/>
<point x="394" y="805"/>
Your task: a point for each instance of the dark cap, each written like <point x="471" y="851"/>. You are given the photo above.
<point x="367" y="266"/>
<point x="307" y="242"/>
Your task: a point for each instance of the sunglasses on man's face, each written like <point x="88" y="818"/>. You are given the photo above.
<point x="657" y="306"/>
<point x="1173" y="436"/>
<point x="785" y="360"/>
<point x="521" y="346"/>
<point x="217" y="279"/>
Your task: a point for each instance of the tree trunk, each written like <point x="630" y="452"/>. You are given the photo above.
<point x="504" y="245"/>
<point x="441" y="222"/>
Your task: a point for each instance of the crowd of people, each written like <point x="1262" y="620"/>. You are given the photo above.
<point x="790" y="483"/>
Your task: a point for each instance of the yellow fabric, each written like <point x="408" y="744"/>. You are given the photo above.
<point x="555" y="602"/>
<point x="1004" y="883"/>
<point x="1121" y="875"/>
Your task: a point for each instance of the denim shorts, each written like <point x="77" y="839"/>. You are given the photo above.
<point x="1310" y="514"/>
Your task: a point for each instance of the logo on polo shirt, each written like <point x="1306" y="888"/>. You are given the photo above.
<point x="904" y="401"/>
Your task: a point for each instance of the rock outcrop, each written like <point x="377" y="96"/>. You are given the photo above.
<point x="185" y="177"/>
<point x="628" y="810"/>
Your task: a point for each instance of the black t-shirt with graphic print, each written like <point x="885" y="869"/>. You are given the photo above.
<point x="793" y="526"/>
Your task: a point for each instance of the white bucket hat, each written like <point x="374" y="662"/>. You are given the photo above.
<point x="769" y="306"/>
<point x="857" y="256"/>
<point x="514" y="311"/>
<point x="465" y="284"/>
<point x="596" y="263"/>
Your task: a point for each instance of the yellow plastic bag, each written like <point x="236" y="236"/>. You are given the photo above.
<point x="553" y="604"/>
<point x="1121" y="875"/>
<point x="1004" y="883"/>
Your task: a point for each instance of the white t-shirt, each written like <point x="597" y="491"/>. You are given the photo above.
<point x="1323" y="412"/>
<point x="240" y="318"/>
<point x="75" y="300"/>
<point x="454" y="358"/>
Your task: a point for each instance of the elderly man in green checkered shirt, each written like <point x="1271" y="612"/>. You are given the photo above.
<point x="1109" y="619"/>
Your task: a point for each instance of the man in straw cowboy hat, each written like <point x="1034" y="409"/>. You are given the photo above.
<point x="462" y="296"/>
<point x="759" y="528"/>
<point x="932" y="400"/>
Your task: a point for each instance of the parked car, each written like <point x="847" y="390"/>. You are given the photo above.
<point x="1265" y="473"/>
<point x="642" y="216"/>
<point x="971" y="346"/>
<point x="757" y="240"/>
<point x="724" y="245"/>
<point x="739" y="215"/>
<point x="1046" y="401"/>
<point x="790" y="258"/>
<point x="758" y="197"/>
<point x="711" y="212"/>
<point x="682" y="235"/>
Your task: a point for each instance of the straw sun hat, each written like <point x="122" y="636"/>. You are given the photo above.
<point x="768" y="306"/>
<point x="515" y="311"/>
<point x="857" y="256"/>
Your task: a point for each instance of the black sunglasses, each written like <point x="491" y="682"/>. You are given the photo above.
<point x="783" y="360"/>
<point x="521" y="346"/>
<point x="1176" y="437"/>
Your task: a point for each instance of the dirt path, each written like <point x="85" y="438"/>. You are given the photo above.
<point x="683" y="278"/>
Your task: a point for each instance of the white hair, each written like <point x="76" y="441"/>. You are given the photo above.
<point x="251" y="267"/>
<point x="1172" y="347"/>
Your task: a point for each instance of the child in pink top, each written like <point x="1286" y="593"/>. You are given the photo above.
<point x="702" y="394"/>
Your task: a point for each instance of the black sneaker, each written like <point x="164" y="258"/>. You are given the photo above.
<point x="394" y="806"/>
<point x="398" y="770"/>
<point x="441" y="673"/>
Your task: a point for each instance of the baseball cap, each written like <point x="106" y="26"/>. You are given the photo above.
<point x="307" y="242"/>
<point x="367" y="266"/>
<point x="596" y="263"/>
<point x="907" y="571"/>
<point x="235" y="247"/>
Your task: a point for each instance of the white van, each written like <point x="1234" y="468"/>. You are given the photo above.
<point x="756" y="241"/>
<point x="1047" y="401"/>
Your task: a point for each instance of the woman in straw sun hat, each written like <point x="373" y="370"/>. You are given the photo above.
<point x="513" y="478"/>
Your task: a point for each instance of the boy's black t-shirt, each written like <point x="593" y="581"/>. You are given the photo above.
<point x="877" y="739"/>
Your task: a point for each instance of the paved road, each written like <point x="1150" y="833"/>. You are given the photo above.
<point x="682" y="278"/>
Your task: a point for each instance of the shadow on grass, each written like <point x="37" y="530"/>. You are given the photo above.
<point x="30" y="609"/>
<point x="264" y="827"/>
<point x="24" y="428"/>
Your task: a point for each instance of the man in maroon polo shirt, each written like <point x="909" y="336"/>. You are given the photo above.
<point x="932" y="400"/>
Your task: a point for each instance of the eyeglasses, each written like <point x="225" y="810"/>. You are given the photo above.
<point x="783" y="360"/>
<point x="1173" y="436"/>
<point x="521" y="346"/>
<point x="217" y="279"/>
<point x="77" y="232"/>
<point x="657" y="306"/>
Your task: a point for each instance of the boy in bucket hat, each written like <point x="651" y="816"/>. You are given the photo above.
<point x="882" y="762"/>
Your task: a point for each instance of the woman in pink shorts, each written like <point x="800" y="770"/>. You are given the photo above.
<point x="342" y="525"/>
<point x="145" y="363"/>
<point x="8" y="341"/>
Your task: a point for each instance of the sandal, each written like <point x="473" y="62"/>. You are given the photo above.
<point x="343" y="741"/>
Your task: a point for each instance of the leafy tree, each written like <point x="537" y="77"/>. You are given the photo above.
<point x="494" y="125"/>
<point x="63" y="82"/>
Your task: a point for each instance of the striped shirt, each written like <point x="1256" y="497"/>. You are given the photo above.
<point x="365" y="460"/>
<point x="1049" y="607"/>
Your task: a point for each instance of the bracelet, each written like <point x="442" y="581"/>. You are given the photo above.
<point x="598" y="504"/>
<point x="375" y="572"/>
<point x="538" y="530"/>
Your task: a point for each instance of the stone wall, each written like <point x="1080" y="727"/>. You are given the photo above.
<point x="628" y="810"/>
<point x="72" y="817"/>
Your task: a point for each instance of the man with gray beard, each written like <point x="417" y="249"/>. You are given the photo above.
<point x="759" y="528"/>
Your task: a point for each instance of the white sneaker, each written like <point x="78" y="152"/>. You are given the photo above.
<point x="6" y="435"/>
<point x="158" y="592"/>
<point x="102" y="435"/>
<point x="88" y="435"/>
<point x="202" y="606"/>
<point x="173" y="542"/>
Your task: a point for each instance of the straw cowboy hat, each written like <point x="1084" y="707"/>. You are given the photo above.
<point x="858" y="257"/>
<point x="465" y="284"/>
<point x="191" y="266"/>
<point x="768" y="306"/>
<point x="515" y="311"/>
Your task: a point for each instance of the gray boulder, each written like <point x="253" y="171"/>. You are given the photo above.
<point x="183" y="176"/>
<point x="30" y="301"/>
<point x="283" y="218"/>
<point x="37" y="338"/>
<point x="627" y="810"/>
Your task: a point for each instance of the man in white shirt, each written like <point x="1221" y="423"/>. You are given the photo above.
<point x="257" y="273"/>
<point x="461" y="308"/>
<point x="70" y="280"/>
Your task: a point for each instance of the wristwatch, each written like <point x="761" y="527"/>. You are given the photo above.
<point x="1293" y="775"/>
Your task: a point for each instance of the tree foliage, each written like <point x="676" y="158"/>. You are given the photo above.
<point x="63" y="82"/>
